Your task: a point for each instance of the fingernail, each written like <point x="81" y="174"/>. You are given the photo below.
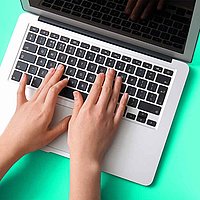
<point x="51" y="70"/>
<point x="75" y="95"/>
<point x="60" y="67"/>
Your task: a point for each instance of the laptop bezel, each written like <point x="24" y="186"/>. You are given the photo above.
<point x="189" y="47"/>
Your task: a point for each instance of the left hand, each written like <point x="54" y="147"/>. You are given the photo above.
<point x="29" y="128"/>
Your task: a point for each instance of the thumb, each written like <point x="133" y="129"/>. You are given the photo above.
<point x="59" y="129"/>
<point x="78" y="102"/>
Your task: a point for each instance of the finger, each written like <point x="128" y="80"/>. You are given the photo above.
<point x="52" y="95"/>
<point x="130" y="5"/>
<point x="52" y="81"/>
<point x="121" y="108"/>
<point x="161" y="4"/>
<point x="95" y="90"/>
<point x="44" y="82"/>
<point x="21" y="97"/>
<point x="106" y="92"/>
<point x="138" y="9"/>
<point x="148" y="10"/>
<point x="78" y="102"/>
<point x="59" y="129"/>
<point x="115" y="95"/>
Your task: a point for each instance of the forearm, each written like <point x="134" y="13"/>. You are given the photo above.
<point x="84" y="180"/>
<point x="8" y="155"/>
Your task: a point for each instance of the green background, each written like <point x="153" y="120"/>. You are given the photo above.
<point x="41" y="175"/>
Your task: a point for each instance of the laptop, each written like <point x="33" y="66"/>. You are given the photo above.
<point x="89" y="37"/>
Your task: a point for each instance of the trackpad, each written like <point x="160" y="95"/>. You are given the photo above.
<point x="61" y="142"/>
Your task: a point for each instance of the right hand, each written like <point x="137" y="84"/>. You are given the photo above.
<point x="142" y="8"/>
<point x="94" y="123"/>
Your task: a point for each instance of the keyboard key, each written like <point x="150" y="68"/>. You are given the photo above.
<point x="132" y="102"/>
<point x="151" y="123"/>
<point x="43" y="32"/>
<point x="126" y="58"/>
<point x="70" y="49"/>
<point x="148" y="107"/>
<point x="80" y="53"/>
<point x="92" y="67"/>
<point x="152" y="86"/>
<point x="72" y="82"/>
<point x="41" y="40"/>
<point x="16" y="76"/>
<point x="27" y="57"/>
<point x="150" y="75"/>
<point x="51" y="64"/>
<point x="115" y="55"/>
<point x="100" y="59"/>
<point x="70" y="71"/>
<point x="123" y="88"/>
<point x="151" y="97"/>
<point x="140" y="72"/>
<point x="42" y="51"/>
<point x="36" y="82"/>
<point x="74" y="42"/>
<point x="130" y="116"/>
<point x="132" y="80"/>
<point x="123" y="76"/>
<point x="31" y="37"/>
<point x="82" y="86"/>
<point x="42" y="72"/>
<point x="142" y="83"/>
<point x="30" y="47"/>
<point x="41" y="61"/>
<point x="90" y="56"/>
<point x="81" y="74"/>
<point x="32" y="69"/>
<point x="136" y="62"/>
<point x="82" y="64"/>
<point x="142" y="117"/>
<point x="91" y="77"/>
<point x="168" y="72"/>
<point x="101" y="69"/>
<point x="95" y="49"/>
<point x="62" y="58"/>
<point x="163" y="79"/>
<point x="131" y="90"/>
<point x="147" y="65"/>
<point x="34" y="29"/>
<point x="130" y="69"/>
<point x="110" y="62"/>
<point x="85" y="45"/>
<point x="141" y="94"/>
<point x="54" y="35"/>
<point x="162" y="91"/>
<point x="52" y="54"/>
<point x="51" y="43"/>
<point x="21" y="66"/>
<point x="64" y="39"/>
<point x="157" y="68"/>
<point x="120" y="65"/>
<point x="105" y="52"/>
<point x="60" y="46"/>
<point x="72" y="61"/>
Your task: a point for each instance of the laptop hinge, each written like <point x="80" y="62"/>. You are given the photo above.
<point x="106" y="39"/>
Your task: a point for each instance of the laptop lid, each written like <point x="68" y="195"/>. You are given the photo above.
<point x="172" y="32"/>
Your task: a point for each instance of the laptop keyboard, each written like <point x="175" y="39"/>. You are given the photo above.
<point x="146" y="83"/>
<point x="168" y="29"/>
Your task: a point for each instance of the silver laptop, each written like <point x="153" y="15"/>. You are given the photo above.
<point x="89" y="37"/>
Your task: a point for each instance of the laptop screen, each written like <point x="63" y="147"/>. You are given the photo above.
<point x="167" y="28"/>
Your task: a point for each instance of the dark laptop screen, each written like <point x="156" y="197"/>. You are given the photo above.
<point x="167" y="28"/>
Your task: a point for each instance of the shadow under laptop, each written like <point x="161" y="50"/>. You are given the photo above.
<point x="29" y="177"/>
<point x="113" y="188"/>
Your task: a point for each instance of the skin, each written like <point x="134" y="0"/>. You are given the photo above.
<point x="91" y="128"/>
<point x="141" y="9"/>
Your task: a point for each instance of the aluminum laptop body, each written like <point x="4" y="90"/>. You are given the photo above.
<point x="137" y="149"/>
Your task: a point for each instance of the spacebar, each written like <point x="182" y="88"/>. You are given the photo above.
<point x="68" y="93"/>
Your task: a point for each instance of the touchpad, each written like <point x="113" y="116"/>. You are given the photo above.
<point x="61" y="142"/>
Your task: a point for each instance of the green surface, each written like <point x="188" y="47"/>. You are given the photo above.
<point x="44" y="176"/>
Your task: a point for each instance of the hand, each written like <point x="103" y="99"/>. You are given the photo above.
<point x="93" y="124"/>
<point x="143" y="8"/>
<point x="29" y="128"/>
